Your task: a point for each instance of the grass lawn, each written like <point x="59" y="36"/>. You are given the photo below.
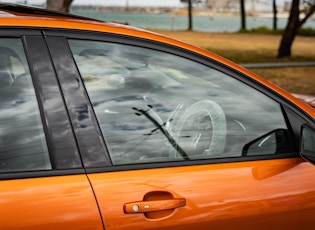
<point x="260" y="48"/>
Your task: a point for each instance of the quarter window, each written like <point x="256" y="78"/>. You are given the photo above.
<point x="153" y="106"/>
<point x="22" y="141"/>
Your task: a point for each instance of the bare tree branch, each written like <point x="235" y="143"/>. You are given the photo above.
<point x="59" y="5"/>
<point x="309" y="14"/>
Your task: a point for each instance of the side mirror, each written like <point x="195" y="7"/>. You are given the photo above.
<point x="276" y="141"/>
<point x="307" y="148"/>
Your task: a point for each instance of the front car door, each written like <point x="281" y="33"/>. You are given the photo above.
<point x="189" y="143"/>
<point x="42" y="182"/>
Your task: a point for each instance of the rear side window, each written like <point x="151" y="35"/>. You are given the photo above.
<point x="22" y="141"/>
<point x="153" y="106"/>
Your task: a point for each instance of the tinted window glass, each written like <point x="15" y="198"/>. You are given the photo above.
<point x="154" y="106"/>
<point x="22" y="141"/>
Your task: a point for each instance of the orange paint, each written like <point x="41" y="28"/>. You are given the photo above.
<point x="63" y="202"/>
<point x="248" y="195"/>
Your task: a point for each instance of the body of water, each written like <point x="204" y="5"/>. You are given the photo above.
<point x="178" y="22"/>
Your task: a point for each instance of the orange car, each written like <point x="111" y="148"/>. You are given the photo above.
<point x="104" y="126"/>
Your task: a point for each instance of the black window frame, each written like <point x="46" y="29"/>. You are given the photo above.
<point x="292" y="114"/>
<point x="36" y="50"/>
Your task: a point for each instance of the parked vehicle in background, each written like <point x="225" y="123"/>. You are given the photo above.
<point x="104" y="126"/>
<point x="308" y="99"/>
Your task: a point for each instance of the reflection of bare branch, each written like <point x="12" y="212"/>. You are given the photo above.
<point x="165" y="132"/>
<point x="152" y="131"/>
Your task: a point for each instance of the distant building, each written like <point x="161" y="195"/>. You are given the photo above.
<point x="287" y="6"/>
<point x="221" y="5"/>
<point x="234" y="5"/>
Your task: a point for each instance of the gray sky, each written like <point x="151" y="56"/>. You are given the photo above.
<point x="111" y="2"/>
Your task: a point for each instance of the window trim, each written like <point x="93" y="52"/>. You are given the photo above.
<point x="34" y="45"/>
<point x="12" y="32"/>
<point x="77" y="103"/>
<point x="36" y="51"/>
<point x="121" y="39"/>
<point x="183" y="163"/>
<point x="40" y="174"/>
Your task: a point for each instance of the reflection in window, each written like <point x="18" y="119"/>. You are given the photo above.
<point x="22" y="141"/>
<point x="154" y="106"/>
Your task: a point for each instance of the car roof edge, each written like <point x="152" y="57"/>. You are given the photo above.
<point x="18" y="8"/>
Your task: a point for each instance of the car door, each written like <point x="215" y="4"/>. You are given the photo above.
<point x="175" y="140"/>
<point x="42" y="182"/>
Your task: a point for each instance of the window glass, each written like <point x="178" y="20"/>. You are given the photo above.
<point x="22" y="141"/>
<point x="153" y="106"/>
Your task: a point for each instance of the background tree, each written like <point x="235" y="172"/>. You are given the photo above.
<point x="243" y="15"/>
<point x="189" y="9"/>
<point x="274" y="10"/>
<point x="293" y="25"/>
<point x="59" y="5"/>
<point x="190" y="15"/>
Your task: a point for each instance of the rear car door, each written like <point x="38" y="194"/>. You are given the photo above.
<point x="174" y="140"/>
<point x="42" y="182"/>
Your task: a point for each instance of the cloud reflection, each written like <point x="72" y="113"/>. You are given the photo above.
<point x="120" y="77"/>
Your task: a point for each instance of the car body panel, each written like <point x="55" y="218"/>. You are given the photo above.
<point x="63" y="202"/>
<point x="271" y="194"/>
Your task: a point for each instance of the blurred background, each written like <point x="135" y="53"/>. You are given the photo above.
<point x="273" y="38"/>
<point x="208" y="15"/>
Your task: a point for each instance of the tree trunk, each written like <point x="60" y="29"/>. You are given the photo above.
<point x="59" y="5"/>
<point x="189" y="15"/>
<point x="243" y="16"/>
<point x="290" y="30"/>
<point x="274" y="6"/>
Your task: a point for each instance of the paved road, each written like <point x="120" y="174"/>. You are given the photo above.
<point x="278" y="65"/>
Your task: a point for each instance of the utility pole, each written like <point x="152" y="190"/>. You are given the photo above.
<point x="127" y="6"/>
<point x="253" y="6"/>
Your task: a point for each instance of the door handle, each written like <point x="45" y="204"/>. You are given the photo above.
<point x="153" y="205"/>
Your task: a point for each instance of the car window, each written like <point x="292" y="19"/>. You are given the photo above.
<point x="22" y="141"/>
<point x="154" y="106"/>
